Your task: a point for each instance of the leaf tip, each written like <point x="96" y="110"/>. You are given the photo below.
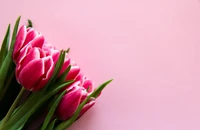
<point x="19" y="18"/>
<point x="67" y="51"/>
<point x="109" y="81"/>
<point x="30" y="23"/>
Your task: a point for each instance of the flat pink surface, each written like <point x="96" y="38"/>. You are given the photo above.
<point x="150" y="47"/>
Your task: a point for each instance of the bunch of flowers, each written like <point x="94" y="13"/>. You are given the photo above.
<point x="39" y="81"/>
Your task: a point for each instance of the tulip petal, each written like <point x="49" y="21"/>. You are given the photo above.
<point x="49" y="64"/>
<point x="55" y="55"/>
<point x="49" y="68"/>
<point x="31" y="34"/>
<point x="38" y="41"/>
<point x="23" y="52"/>
<point x="30" y="74"/>
<point x="73" y="73"/>
<point x="65" y="66"/>
<point x="17" y="71"/>
<point x="80" y="78"/>
<point x="32" y="55"/>
<point x="42" y="53"/>
<point x="19" y="41"/>
<point x="84" y="95"/>
<point x="87" y="107"/>
<point x="88" y="85"/>
<point x="69" y="104"/>
<point x="51" y="50"/>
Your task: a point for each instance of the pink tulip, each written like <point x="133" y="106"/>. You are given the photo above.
<point x="35" y="59"/>
<point x="76" y="93"/>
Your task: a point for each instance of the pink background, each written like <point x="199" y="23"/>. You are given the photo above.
<point x="150" y="47"/>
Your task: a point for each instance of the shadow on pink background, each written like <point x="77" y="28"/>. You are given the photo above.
<point x="150" y="47"/>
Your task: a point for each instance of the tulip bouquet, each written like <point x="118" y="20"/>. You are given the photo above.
<point x="41" y="88"/>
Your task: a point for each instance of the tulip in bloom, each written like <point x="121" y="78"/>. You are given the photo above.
<point x="76" y="93"/>
<point x="34" y="58"/>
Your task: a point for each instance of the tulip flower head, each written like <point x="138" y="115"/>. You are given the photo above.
<point x="34" y="58"/>
<point x="76" y="93"/>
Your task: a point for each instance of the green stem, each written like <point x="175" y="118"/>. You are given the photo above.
<point x="12" y="108"/>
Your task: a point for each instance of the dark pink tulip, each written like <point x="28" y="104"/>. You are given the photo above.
<point x="35" y="59"/>
<point x="24" y="36"/>
<point x="76" y="93"/>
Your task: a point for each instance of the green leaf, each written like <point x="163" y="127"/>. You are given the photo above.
<point x="30" y="23"/>
<point x="67" y="51"/>
<point x="96" y="93"/>
<point x="63" y="76"/>
<point x="8" y="59"/>
<point x="58" y="87"/>
<point x="52" y="110"/>
<point x="20" y="117"/>
<point x="12" y="108"/>
<point x="64" y="125"/>
<point x="58" y="67"/>
<point x="51" y="125"/>
<point x="4" y="71"/>
<point x="5" y="45"/>
<point x="14" y="34"/>
<point x="7" y="85"/>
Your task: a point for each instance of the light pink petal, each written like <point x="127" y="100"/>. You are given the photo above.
<point x="30" y="74"/>
<point x="48" y="46"/>
<point x="51" y="51"/>
<point x="68" y="104"/>
<point x="19" y="41"/>
<point x="73" y="63"/>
